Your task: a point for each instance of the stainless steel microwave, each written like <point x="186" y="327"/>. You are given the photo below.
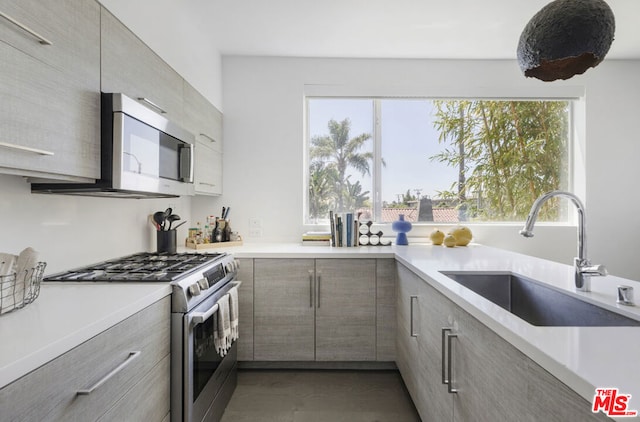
<point x="143" y="155"/>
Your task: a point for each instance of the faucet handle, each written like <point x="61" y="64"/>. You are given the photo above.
<point x="593" y="270"/>
<point x="625" y="295"/>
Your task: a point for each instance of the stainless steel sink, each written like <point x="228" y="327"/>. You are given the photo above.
<point x="536" y="303"/>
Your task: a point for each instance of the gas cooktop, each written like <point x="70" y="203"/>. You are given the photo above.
<point x="143" y="266"/>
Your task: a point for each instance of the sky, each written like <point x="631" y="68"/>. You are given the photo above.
<point x="408" y="140"/>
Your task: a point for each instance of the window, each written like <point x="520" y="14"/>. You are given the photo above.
<point x="435" y="160"/>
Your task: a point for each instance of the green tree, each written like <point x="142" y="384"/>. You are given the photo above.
<point x="339" y="152"/>
<point x="322" y="181"/>
<point x="508" y="153"/>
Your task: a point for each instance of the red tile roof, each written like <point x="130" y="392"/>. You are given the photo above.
<point x="440" y="215"/>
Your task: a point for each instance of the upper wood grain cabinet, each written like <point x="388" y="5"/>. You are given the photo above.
<point x="205" y="121"/>
<point x="129" y="66"/>
<point x="50" y="93"/>
<point x="202" y="118"/>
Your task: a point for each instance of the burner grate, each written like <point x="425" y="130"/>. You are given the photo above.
<point x="144" y="266"/>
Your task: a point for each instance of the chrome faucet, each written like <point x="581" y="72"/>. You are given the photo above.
<point x="584" y="270"/>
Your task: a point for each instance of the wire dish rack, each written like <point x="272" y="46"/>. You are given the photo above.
<point x="17" y="290"/>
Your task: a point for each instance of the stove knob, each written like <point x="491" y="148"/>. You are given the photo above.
<point x="194" y="289"/>
<point x="203" y="284"/>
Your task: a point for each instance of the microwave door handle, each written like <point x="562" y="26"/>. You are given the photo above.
<point x="186" y="162"/>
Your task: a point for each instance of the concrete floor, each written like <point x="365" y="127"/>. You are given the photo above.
<point x="320" y="396"/>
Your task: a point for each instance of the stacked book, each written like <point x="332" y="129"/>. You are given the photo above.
<point x="316" y="238"/>
<point x="344" y="229"/>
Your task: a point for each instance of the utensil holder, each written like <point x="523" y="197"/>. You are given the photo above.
<point x="166" y="241"/>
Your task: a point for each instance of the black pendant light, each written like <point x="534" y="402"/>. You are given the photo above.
<point x="565" y="38"/>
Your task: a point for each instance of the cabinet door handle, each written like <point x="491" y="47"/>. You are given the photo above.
<point x="132" y="356"/>
<point x="413" y="334"/>
<point x="26" y="149"/>
<point x="319" y="278"/>
<point x="445" y="331"/>
<point x="213" y="185"/>
<point x="42" y="40"/>
<point x="311" y="288"/>
<point x="450" y="388"/>
<point x="208" y="137"/>
<point x="152" y="104"/>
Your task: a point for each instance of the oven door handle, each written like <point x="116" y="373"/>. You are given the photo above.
<point x="200" y="317"/>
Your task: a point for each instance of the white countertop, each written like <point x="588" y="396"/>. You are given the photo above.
<point x="584" y="358"/>
<point x="63" y="316"/>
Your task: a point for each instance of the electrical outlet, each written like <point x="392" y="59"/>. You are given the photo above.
<point x="255" y="232"/>
<point x="255" y="223"/>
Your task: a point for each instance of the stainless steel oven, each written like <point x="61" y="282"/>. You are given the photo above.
<point x="208" y="379"/>
<point x="202" y="381"/>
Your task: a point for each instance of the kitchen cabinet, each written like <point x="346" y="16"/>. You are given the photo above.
<point x="420" y="319"/>
<point x="137" y="390"/>
<point x="207" y="169"/>
<point x="315" y="309"/>
<point x="50" y="108"/>
<point x="386" y="310"/>
<point x="205" y="122"/>
<point x="345" y="309"/>
<point x="284" y="310"/>
<point x="130" y="67"/>
<point x="202" y="118"/>
<point x="245" y="299"/>
<point x="493" y="380"/>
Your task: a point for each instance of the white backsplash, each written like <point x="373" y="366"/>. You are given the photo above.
<point x="71" y="231"/>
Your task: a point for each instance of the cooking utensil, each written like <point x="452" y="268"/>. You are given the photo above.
<point x="171" y="219"/>
<point x="179" y="225"/>
<point x="159" y="218"/>
<point x="226" y="213"/>
<point x="153" y="223"/>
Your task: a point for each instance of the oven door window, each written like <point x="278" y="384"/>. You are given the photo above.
<point x="205" y="357"/>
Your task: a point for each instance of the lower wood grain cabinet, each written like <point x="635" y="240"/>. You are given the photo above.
<point x="457" y="369"/>
<point x="322" y="310"/>
<point x="121" y="374"/>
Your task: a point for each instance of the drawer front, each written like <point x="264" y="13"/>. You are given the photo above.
<point x="147" y="401"/>
<point x="50" y="393"/>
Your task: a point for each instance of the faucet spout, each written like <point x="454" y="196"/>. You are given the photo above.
<point x="583" y="267"/>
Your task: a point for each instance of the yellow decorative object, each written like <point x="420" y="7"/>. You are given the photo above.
<point x="436" y="237"/>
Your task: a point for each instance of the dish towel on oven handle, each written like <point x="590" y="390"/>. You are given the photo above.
<point x="222" y="333"/>
<point x="233" y="312"/>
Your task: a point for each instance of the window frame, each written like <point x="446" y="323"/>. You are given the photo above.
<point x="573" y="95"/>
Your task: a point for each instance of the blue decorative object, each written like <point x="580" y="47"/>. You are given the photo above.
<point x="402" y="227"/>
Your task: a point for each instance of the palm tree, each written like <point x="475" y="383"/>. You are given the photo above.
<point x="321" y="187"/>
<point x="341" y="152"/>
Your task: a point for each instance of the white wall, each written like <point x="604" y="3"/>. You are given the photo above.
<point x="264" y="132"/>
<point x="72" y="231"/>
